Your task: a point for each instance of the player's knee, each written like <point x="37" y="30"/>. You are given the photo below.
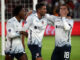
<point x="39" y="58"/>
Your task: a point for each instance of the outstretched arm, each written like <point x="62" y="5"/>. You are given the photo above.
<point x="50" y="18"/>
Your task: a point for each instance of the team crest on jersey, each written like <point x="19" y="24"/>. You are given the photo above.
<point x="9" y="30"/>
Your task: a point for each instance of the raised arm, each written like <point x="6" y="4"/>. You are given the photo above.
<point x="27" y="23"/>
<point x="67" y="25"/>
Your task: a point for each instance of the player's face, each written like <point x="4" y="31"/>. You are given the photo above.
<point x="63" y="9"/>
<point x="43" y="11"/>
<point x="22" y="13"/>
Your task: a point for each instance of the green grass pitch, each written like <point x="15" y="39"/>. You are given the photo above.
<point x="48" y="46"/>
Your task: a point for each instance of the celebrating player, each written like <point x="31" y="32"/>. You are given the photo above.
<point x="36" y="25"/>
<point x="14" y="46"/>
<point x="63" y="27"/>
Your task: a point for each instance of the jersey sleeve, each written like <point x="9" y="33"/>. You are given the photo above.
<point x="27" y="23"/>
<point x="67" y="25"/>
<point x="50" y="23"/>
<point x="50" y="18"/>
<point x="11" y="31"/>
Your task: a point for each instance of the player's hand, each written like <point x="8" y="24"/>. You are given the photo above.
<point x="69" y="17"/>
<point x="21" y="32"/>
<point x="29" y="13"/>
<point x="24" y="33"/>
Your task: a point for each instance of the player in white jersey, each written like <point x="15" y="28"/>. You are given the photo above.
<point x="36" y="25"/>
<point x="63" y="28"/>
<point x="14" y="46"/>
<point x="62" y="25"/>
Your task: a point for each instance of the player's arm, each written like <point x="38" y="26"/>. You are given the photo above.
<point x="23" y="37"/>
<point x="28" y="14"/>
<point x="27" y="24"/>
<point x="50" y="18"/>
<point x="67" y="25"/>
<point x="10" y="30"/>
<point x="23" y="33"/>
<point x="26" y="27"/>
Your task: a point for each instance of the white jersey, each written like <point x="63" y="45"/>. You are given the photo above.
<point x="63" y="29"/>
<point x="36" y="28"/>
<point x="14" y="42"/>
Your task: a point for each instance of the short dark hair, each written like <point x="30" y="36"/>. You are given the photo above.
<point x="66" y="6"/>
<point x="39" y="5"/>
<point x="16" y="10"/>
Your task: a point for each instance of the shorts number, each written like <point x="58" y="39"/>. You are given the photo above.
<point x="66" y="54"/>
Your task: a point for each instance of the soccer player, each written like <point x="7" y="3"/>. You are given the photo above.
<point x="14" y="46"/>
<point x="63" y="28"/>
<point x="36" y="24"/>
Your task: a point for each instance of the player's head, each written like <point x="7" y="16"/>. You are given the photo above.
<point x="41" y="8"/>
<point x="65" y="8"/>
<point x="19" y="11"/>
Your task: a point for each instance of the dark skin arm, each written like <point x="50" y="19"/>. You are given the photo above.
<point x="23" y="41"/>
<point x="23" y="36"/>
<point x="24" y="33"/>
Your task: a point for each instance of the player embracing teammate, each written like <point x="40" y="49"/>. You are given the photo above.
<point x="63" y="27"/>
<point x="36" y="24"/>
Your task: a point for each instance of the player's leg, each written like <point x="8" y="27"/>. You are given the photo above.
<point x="35" y="51"/>
<point x="55" y="54"/>
<point x="53" y="57"/>
<point x="39" y="56"/>
<point x="8" y="57"/>
<point x="31" y="48"/>
<point x="67" y="52"/>
<point x="21" y="56"/>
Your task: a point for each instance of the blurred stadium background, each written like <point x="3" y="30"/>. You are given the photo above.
<point x="48" y="40"/>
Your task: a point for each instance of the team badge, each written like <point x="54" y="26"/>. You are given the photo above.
<point x="9" y="30"/>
